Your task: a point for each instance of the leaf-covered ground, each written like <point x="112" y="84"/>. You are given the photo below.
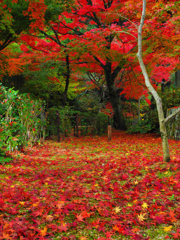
<point x="89" y="188"/>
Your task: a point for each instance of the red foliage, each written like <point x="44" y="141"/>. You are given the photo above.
<point x="92" y="24"/>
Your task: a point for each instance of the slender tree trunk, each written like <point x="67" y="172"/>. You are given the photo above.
<point x="163" y="131"/>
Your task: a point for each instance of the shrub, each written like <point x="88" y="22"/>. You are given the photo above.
<point x="22" y="120"/>
<point x="148" y="123"/>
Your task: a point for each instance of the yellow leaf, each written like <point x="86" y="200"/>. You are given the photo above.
<point x="144" y="205"/>
<point x="117" y="209"/>
<point x="168" y="229"/>
<point x="136" y="182"/>
<point x="22" y="203"/>
<point x="43" y="232"/>
<point x="141" y="217"/>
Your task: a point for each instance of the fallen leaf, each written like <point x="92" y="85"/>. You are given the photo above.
<point x="117" y="209"/>
<point x="49" y="218"/>
<point x="83" y="238"/>
<point x="141" y="217"/>
<point x="144" y="205"/>
<point x="43" y="232"/>
<point x="80" y="218"/>
<point x="168" y="229"/>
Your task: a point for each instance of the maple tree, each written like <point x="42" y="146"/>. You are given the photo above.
<point x="73" y="47"/>
<point x="162" y="121"/>
<point x="100" y="37"/>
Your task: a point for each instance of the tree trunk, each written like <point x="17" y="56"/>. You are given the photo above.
<point x="163" y="130"/>
<point x="67" y="80"/>
<point x="115" y="102"/>
<point x="162" y="123"/>
<point x="118" y="115"/>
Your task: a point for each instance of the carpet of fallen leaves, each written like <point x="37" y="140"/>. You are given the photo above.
<point x="89" y="188"/>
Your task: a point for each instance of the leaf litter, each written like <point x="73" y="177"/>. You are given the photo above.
<point x="89" y="188"/>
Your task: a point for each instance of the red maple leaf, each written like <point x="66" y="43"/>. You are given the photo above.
<point x="63" y="227"/>
<point x="80" y="218"/>
<point x="177" y="234"/>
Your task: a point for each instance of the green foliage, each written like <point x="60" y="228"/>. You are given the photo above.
<point x="21" y="121"/>
<point x="55" y="8"/>
<point x="88" y="101"/>
<point x="148" y="123"/>
<point x="173" y="126"/>
<point x="141" y="127"/>
<point x="93" y="123"/>
<point x="170" y="98"/>
<point x="88" y="122"/>
<point x="48" y="83"/>
<point x="13" y="21"/>
<point x="64" y="118"/>
<point x="130" y="108"/>
<point x="4" y="160"/>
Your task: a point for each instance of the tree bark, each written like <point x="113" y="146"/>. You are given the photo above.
<point x="163" y="131"/>
<point x="118" y="115"/>
<point x="114" y="99"/>
<point x="67" y="80"/>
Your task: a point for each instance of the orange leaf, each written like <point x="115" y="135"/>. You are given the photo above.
<point x="43" y="232"/>
<point x="49" y="218"/>
<point x="135" y="230"/>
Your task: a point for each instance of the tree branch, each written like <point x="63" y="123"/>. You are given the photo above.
<point x="49" y="36"/>
<point x="116" y="71"/>
<point x="172" y="115"/>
